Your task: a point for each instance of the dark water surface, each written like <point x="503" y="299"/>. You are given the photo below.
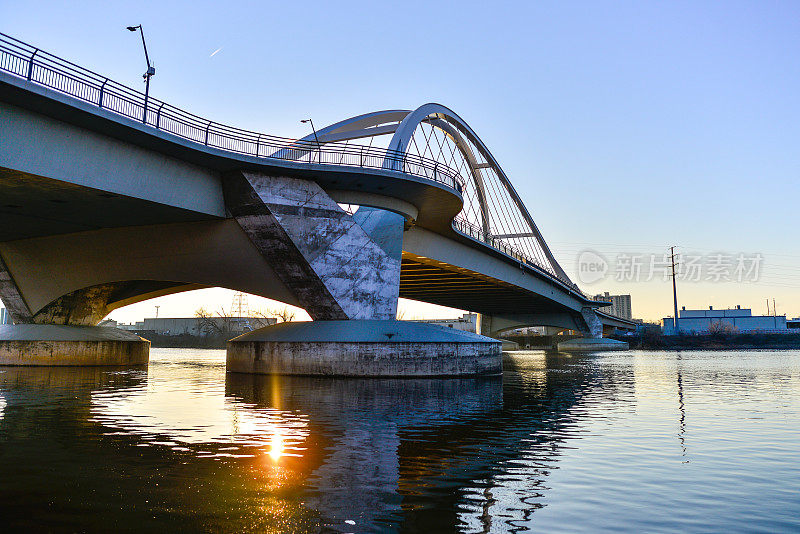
<point x="634" y="441"/>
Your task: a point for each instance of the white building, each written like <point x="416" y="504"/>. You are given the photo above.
<point x="467" y="322"/>
<point x="620" y="305"/>
<point x="739" y="319"/>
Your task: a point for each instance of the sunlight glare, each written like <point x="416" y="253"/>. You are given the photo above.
<point x="277" y="447"/>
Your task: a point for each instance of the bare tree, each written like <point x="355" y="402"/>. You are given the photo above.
<point x="221" y="325"/>
<point x="721" y="329"/>
<point x="284" y="315"/>
<point x="273" y="315"/>
<point x="261" y="318"/>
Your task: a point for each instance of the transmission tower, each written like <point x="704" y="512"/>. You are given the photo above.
<point x="239" y="307"/>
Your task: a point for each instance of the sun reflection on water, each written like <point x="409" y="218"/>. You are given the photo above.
<point x="191" y="413"/>
<point x="276" y="450"/>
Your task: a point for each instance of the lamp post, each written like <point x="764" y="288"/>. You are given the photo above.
<point x="319" y="147"/>
<point x="151" y="71"/>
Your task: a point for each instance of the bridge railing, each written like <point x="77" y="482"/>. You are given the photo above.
<point x="477" y="233"/>
<point x="48" y="70"/>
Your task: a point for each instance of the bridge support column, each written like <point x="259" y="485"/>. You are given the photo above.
<point x="345" y="271"/>
<point x="593" y="340"/>
<point x="63" y="332"/>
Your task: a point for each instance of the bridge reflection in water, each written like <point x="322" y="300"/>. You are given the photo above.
<point x="188" y="447"/>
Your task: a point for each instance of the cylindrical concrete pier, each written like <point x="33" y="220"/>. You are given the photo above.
<point x="42" y="344"/>
<point x="367" y="348"/>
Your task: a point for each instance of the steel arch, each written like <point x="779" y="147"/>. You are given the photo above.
<point x="402" y="124"/>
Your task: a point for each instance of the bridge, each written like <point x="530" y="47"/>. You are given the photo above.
<point x="111" y="197"/>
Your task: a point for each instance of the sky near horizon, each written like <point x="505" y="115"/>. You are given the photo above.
<point x="626" y="127"/>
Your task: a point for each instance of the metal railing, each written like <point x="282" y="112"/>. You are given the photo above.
<point x="48" y="70"/>
<point x="475" y="232"/>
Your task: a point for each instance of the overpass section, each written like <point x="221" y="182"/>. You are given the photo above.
<point x="110" y="200"/>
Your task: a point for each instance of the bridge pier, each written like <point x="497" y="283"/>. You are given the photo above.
<point x="63" y="332"/>
<point x="593" y="340"/>
<point x="345" y="271"/>
<point x="588" y="323"/>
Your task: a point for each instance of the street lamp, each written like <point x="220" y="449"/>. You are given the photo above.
<point x="151" y="71"/>
<point x="319" y="147"/>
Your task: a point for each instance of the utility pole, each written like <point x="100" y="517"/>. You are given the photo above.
<point x="674" y="289"/>
<point x="774" y="313"/>
<point x="157" y="307"/>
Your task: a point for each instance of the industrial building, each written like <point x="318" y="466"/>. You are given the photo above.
<point x="467" y="322"/>
<point x="740" y="319"/>
<point x="174" y="326"/>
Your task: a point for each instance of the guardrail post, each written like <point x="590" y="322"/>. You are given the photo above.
<point x="207" y="128"/>
<point x="361" y="158"/>
<point x="102" y="89"/>
<point x="258" y="143"/>
<point x="158" y="115"/>
<point x="30" y="64"/>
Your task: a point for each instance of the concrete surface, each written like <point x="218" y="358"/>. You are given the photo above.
<point x="508" y="344"/>
<point x="331" y="265"/>
<point x="36" y="344"/>
<point x="364" y="348"/>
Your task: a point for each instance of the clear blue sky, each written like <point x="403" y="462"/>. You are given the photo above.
<point x="625" y="126"/>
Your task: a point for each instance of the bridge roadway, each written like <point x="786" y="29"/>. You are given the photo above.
<point x="89" y="170"/>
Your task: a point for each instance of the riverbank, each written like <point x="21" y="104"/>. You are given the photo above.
<point x="713" y="342"/>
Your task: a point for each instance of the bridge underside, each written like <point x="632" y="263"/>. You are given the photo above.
<point x="74" y="241"/>
<point x="434" y="281"/>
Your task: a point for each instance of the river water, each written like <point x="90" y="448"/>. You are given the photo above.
<point x="635" y="441"/>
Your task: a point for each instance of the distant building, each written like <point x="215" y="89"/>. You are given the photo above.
<point x="5" y="318"/>
<point x="740" y="319"/>
<point x="467" y="322"/>
<point x="620" y="305"/>
<point x="174" y="326"/>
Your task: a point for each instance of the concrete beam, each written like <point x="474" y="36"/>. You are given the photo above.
<point x="76" y="155"/>
<point x="429" y="244"/>
<point x="184" y="256"/>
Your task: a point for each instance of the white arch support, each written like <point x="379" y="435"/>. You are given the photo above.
<point x="435" y="114"/>
<point x="402" y="124"/>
